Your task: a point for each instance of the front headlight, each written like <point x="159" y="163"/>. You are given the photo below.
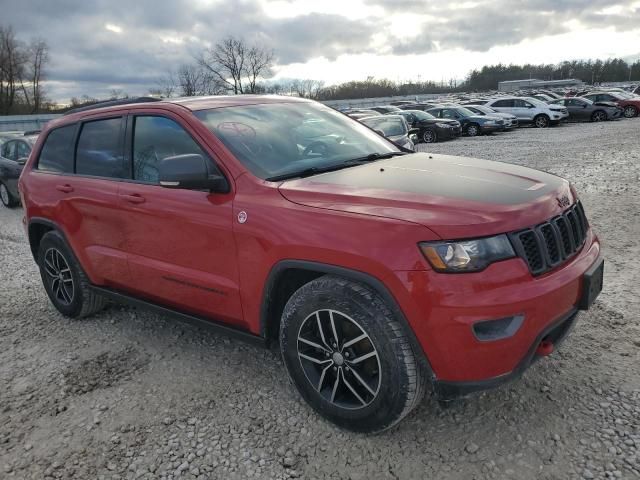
<point x="490" y="122"/>
<point x="467" y="255"/>
<point x="443" y="125"/>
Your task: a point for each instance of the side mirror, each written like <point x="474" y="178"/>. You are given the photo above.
<point x="379" y="132"/>
<point x="189" y="171"/>
<point x="22" y="161"/>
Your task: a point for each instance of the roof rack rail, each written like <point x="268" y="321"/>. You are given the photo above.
<point x="113" y="103"/>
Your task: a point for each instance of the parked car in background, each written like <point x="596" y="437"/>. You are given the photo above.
<point x="385" y="109"/>
<point x="529" y="110"/>
<point x="14" y="152"/>
<point x="510" y="120"/>
<point x="629" y="103"/>
<point x="472" y="124"/>
<point x="420" y="106"/>
<point x="586" y="110"/>
<point x="358" y="114"/>
<point x="636" y="91"/>
<point x="429" y="128"/>
<point x="399" y="103"/>
<point x="542" y="97"/>
<point x="393" y="127"/>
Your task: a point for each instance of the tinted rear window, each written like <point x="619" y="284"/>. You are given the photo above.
<point x="99" y="150"/>
<point x="57" y="151"/>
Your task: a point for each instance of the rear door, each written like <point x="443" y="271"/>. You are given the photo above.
<point x="77" y="178"/>
<point x="504" y="106"/>
<point x="180" y="243"/>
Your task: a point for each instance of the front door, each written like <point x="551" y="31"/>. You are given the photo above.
<point x="179" y="243"/>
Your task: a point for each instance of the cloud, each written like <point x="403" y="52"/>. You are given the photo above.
<point x="104" y="44"/>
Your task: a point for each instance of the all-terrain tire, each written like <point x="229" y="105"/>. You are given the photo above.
<point x="360" y="311"/>
<point x="71" y="293"/>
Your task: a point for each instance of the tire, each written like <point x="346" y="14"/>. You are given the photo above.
<point x="429" y="136"/>
<point x="390" y="368"/>
<point x="5" y="196"/>
<point x="65" y="282"/>
<point x="599" y="116"/>
<point x="541" y="121"/>
<point x="473" y="130"/>
<point x="630" y="111"/>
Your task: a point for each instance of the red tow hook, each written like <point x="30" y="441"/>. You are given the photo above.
<point x="545" y="348"/>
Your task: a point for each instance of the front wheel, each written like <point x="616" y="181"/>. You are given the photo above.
<point x="630" y="111"/>
<point x="6" y="197"/>
<point x="429" y="136"/>
<point x="348" y="356"/>
<point x="541" y="121"/>
<point x="473" y="130"/>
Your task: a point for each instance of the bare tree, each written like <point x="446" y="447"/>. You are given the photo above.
<point x="235" y="65"/>
<point x="38" y="57"/>
<point x="12" y="64"/>
<point x="307" y="88"/>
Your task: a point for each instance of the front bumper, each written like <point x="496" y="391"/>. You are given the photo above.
<point x="554" y="333"/>
<point x="443" y="308"/>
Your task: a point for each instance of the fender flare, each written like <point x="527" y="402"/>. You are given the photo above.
<point x="358" y="276"/>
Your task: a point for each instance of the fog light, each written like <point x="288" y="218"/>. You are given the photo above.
<point x="491" y="330"/>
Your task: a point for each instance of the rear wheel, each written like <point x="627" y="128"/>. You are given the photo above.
<point x="348" y="355"/>
<point x="64" y="280"/>
<point x="541" y="121"/>
<point x="473" y="130"/>
<point x="598" y="116"/>
<point x="630" y="111"/>
<point x="6" y="197"/>
<point x="429" y="136"/>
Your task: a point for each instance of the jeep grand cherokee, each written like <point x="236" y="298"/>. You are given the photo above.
<point x="377" y="272"/>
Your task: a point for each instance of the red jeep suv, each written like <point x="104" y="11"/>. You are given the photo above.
<point x="377" y="271"/>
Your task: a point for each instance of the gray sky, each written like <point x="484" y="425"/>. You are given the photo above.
<point x="97" y="45"/>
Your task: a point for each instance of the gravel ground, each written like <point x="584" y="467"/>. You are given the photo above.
<point x="128" y="394"/>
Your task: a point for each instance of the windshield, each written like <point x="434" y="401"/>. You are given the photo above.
<point x="281" y="138"/>
<point x="420" y="115"/>
<point x="391" y="126"/>
<point x="483" y="109"/>
<point x="465" y="112"/>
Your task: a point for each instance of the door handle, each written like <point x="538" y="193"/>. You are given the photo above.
<point x="134" y="198"/>
<point x="64" y="188"/>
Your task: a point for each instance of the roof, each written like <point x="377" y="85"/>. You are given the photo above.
<point x="220" y="101"/>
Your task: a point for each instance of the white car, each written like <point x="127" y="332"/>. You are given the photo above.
<point x="529" y="110"/>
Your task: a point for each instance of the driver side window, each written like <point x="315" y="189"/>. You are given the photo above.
<point x="9" y="150"/>
<point x="154" y="139"/>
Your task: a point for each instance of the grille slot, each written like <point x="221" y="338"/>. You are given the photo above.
<point x="553" y="248"/>
<point x="552" y="242"/>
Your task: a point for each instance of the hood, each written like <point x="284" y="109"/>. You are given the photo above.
<point x="455" y="197"/>
<point x="433" y="121"/>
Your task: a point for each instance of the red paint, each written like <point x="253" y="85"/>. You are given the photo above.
<point x="186" y="249"/>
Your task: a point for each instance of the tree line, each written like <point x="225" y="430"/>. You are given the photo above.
<point x="589" y="71"/>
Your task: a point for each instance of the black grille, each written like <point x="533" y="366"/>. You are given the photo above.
<point x="551" y="243"/>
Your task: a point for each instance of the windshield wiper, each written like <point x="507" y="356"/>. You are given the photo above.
<point x="307" y="172"/>
<point x="373" y="157"/>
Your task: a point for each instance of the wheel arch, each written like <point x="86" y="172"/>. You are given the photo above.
<point x="287" y="276"/>
<point x="37" y="229"/>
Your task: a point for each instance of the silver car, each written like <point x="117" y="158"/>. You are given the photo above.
<point x="394" y="127"/>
